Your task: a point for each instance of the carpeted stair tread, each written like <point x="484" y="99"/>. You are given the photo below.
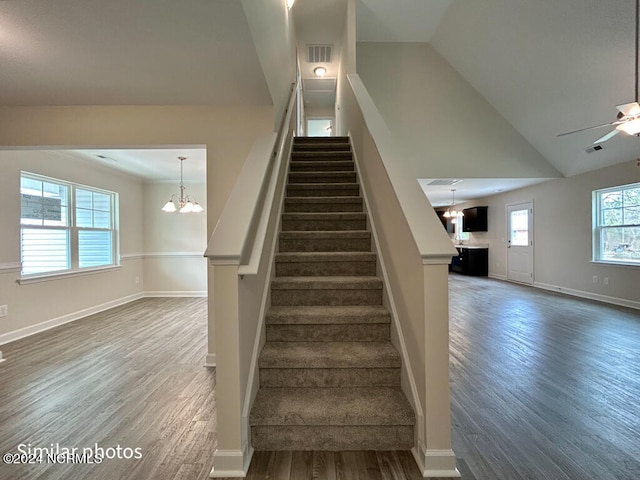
<point x="321" y="155"/>
<point x="322" y="166"/>
<point x="324" y="234"/>
<point x="327" y="315"/>
<point x="310" y="264"/>
<point x="295" y="257"/>
<point x="326" y="283"/>
<point x="323" y="190"/>
<point x="329" y="355"/>
<point x="360" y="406"/>
<point x="323" y="204"/>
<point x="322" y="177"/>
<point x="325" y="146"/>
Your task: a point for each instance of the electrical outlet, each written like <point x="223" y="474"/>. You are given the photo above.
<point x="4" y="310"/>
<point x="137" y="280"/>
<point x="595" y="279"/>
<point x="605" y="280"/>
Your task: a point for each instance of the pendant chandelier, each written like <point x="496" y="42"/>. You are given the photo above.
<point x="180" y="202"/>
<point x="451" y="211"/>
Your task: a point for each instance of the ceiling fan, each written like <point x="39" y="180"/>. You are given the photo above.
<point x="628" y="118"/>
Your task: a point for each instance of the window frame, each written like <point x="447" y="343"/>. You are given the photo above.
<point x="598" y="227"/>
<point x="73" y="243"/>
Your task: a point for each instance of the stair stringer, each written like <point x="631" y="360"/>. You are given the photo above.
<point x="407" y="384"/>
<point x="253" y="382"/>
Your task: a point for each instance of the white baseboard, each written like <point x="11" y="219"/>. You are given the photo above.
<point x="178" y="293"/>
<point x="210" y="360"/>
<point x="591" y="296"/>
<point x="231" y="463"/>
<point x="70" y="317"/>
<point x="498" y="277"/>
<point x="436" y="463"/>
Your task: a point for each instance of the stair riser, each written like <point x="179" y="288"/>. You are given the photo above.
<point x="321" y="156"/>
<point x="332" y="438"/>
<point x="308" y="140"/>
<point x="332" y="147"/>
<point x="309" y="166"/>
<point x="328" y="333"/>
<point x="325" y="245"/>
<point x="318" y="269"/>
<point x="287" y="297"/>
<point x="323" y="207"/>
<point x="319" y="177"/>
<point x="329" y="377"/>
<point x="323" y="225"/>
<point x="306" y="190"/>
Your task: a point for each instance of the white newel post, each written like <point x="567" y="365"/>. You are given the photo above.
<point x="439" y="459"/>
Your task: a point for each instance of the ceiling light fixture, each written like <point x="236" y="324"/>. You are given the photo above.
<point x="290" y="3"/>
<point x="320" y="71"/>
<point x="180" y="202"/>
<point x="451" y="211"/>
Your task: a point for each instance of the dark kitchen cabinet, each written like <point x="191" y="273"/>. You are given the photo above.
<point x="448" y="225"/>
<point x="471" y="261"/>
<point x="475" y="219"/>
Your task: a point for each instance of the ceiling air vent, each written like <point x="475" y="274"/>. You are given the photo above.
<point x="444" y="181"/>
<point x="319" y="53"/>
<point x="595" y="148"/>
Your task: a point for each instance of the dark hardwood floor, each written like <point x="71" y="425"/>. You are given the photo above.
<point x="131" y="376"/>
<point x="544" y="386"/>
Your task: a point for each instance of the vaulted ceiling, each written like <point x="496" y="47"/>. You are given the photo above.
<point x="546" y="66"/>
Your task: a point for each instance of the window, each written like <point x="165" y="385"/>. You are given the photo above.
<point x="64" y="226"/>
<point x="616" y="225"/>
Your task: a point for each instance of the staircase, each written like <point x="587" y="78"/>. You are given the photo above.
<point x="329" y="376"/>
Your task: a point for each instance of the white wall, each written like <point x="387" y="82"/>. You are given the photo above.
<point x="273" y="32"/>
<point x="64" y="299"/>
<point x="445" y="128"/>
<point x="226" y="133"/>
<point x="174" y="243"/>
<point x="562" y="236"/>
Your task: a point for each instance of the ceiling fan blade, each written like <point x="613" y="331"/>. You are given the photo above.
<point x="609" y="135"/>
<point x="629" y="109"/>
<point x="588" y="128"/>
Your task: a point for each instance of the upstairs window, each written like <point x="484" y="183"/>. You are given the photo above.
<point x="65" y="227"/>
<point x="616" y="225"/>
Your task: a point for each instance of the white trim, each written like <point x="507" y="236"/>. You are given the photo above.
<point x="210" y="360"/>
<point x="436" y="463"/>
<point x="406" y="364"/>
<point x="38" y="278"/>
<point x="498" y="277"/>
<point x="175" y="293"/>
<point x="224" y="260"/>
<point x="131" y="256"/>
<point x="173" y="255"/>
<point x="11" y="267"/>
<point x="144" y="256"/>
<point x="591" y="296"/>
<point x="436" y="259"/>
<point x="70" y="317"/>
<point x="231" y="463"/>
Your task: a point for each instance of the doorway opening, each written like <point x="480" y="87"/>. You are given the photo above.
<point x="320" y="127"/>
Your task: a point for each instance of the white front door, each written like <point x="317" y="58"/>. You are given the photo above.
<point x="520" y="243"/>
